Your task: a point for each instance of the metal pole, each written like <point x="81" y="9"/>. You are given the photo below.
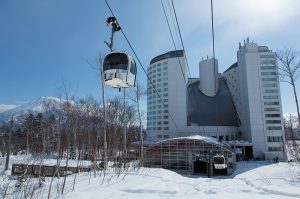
<point x="104" y="109"/>
<point x="141" y="128"/>
<point x="9" y="144"/>
<point x="125" y="125"/>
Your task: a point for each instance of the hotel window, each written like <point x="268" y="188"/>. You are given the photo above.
<point x="268" y="73"/>
<point x="271" y="91"/>
<point x="274" y="139"/>
<point x="267" y="62"/>
<point x="268" y="67"/>
<point x="271" y="103"/>
<point x="270" y="85"/>
<point x="272" y="115"/>
<point x="273" y="121"/>
<point x="274" y="128"/>
<point x="271" y="97"/>
<point x="266" y="56"/>
<point x="274" y="148"/>
<point x="269" y="79"/>
<point x="165" y="63"/>
<point x="271" y="109"/>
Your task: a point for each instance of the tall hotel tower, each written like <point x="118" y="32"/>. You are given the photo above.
<point x="166" y="95"/>
<point x="254" y="84"/>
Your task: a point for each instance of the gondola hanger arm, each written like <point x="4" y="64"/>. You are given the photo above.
<point x="114" y="28"/>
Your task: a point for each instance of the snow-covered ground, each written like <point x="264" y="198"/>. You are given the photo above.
<point x="251" y="180"/>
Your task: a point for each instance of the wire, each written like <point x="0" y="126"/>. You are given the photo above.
<point x="212" y="27"/>
<point x="153" y="86"/>
<point x="173" y="22"/>
<point x="185" y="81"/>
<point x="180" y="37"/>
<point x="213" y="40"/>
<point x="213" y="37"/>
<point x="161" y="1"/>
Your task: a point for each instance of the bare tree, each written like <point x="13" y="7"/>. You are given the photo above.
<point x="289" y="70"/>
<point x="137" y="95"/>
<point x="291" y="139"/>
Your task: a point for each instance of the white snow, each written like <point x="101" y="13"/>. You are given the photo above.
<point x="6" y="107"/>
<point x="259" y="180"/>
<point x="36" y="106"/>
<point x="196" y="137"/>
<point x="251" y="180"/>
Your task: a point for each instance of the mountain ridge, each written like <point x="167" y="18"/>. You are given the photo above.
<point x="34" y="107"/>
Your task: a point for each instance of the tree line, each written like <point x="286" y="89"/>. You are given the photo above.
<point x="74" y="130"/>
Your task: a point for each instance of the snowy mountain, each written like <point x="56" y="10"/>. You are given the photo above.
<point x="6" y="107"/>
<point x="37" y="106"/>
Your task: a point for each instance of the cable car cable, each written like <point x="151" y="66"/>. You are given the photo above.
<point x="153" y="86"/>
<point x="161" y="1"/>
<point x="213" y="45"/>
<point x="180" y="37"/>
<point x="181" y="68"/>
<point x="173" y="21"/>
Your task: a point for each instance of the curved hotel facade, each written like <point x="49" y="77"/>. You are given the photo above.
<point x="243" y="103"/>
<point x="166" y="95"/>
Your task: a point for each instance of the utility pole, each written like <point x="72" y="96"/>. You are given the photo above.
<point x="140" y="120"/>
<point x="104" y="109"/>
<point x="125" y="127"/>
<point x="9" y="144"/>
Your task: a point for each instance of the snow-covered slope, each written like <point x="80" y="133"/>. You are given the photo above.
<point x="36" y="106"/>
<point x="258" y="180"/>
<point x="251" y="180"/>
<point x="6" y="107"/>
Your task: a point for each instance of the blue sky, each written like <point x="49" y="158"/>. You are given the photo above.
<point x="45" y="44"/>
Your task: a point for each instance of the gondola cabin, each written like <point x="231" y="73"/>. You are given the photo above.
<point x="219" y="162"/>
<point x="119" y="70"/>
